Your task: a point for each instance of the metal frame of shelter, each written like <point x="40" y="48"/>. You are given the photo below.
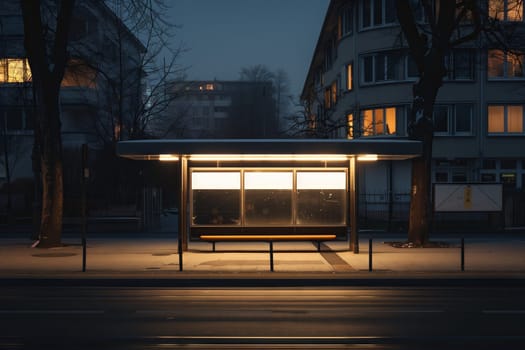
<point x="224" y="153"/>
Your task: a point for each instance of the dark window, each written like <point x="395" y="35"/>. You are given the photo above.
<point x="441" y="177"/>
<point x="441" y="119"/>
<point x="489" y="164"/>
<point x="463" y="118"/>
<point x="488" y="177"/>
<point x="508" y="164"/>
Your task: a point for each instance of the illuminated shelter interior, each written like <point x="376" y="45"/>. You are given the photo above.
<point x="268" y="186"/>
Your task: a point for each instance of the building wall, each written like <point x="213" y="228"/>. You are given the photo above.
<point x="87" y="104"/>
<point x="219" y="109"/>
<point x="464" y="148"/>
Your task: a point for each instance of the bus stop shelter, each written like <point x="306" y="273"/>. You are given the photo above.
<point x="277" y="186"/>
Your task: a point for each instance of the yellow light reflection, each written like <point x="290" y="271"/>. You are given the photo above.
<point x="268" y="157"/>
<point x="368" y="157"/>
<point x="168" y="158"/>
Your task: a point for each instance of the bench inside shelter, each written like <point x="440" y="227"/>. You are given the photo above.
<point x="270" y="238"/>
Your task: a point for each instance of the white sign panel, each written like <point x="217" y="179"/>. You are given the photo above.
<point x="468" y="197"/>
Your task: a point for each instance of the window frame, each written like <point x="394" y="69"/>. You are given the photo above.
<point x="505" y="131"/>
<point x="372" y="22"/>
<point x="384" y="122"/>
<point x="505" y="11"/>
<point x="452" y="119"/>
<point x="505" y="67"/>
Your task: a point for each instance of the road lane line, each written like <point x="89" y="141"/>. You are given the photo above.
<point x="57" y="312"/>
<point x="504" y="312"/>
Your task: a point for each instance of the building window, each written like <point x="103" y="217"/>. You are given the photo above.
<point x="453" y="119"/>
<point x="411" y="68"/>
<point x="14" y="70"/>
<point x="349" y="77"/>
<point x="460" y="64"/>
<point x="381" y="67"/>
<point x="506" y="10"/>
<point x="333" y="93"/>
<point x="17" y="119"/>
<point x="350" y="125"/>
<point x="505" y="119"/>
<point x="379" y="121"/>
<point x="376" y="13"/>
<point x="345" y="22"/>
<point x="327" y="99"/>
<point x="79" y="74"/>
<point x="504" y="65"/>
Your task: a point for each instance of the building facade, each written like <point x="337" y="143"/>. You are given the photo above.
<point x="104" y="55"/>
<point x="219" y="109"/>
<point x="101" y="88"/>
<point x="359" y="85"/>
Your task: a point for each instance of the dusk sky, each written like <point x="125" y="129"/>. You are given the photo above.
<point x="224" y="36"/>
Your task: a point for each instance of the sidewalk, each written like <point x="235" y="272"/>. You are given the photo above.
<point x="149" y="257"/>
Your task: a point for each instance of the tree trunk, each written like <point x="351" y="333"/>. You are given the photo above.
<point x="421" y="128"/>
<point x="48" y="59"/>
<point x="52" y="171"/>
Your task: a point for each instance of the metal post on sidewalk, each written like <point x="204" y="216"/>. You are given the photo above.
<point x="179" y="244"/>
<point x="83" y="254"/>
<point x="84" y="179"/>
<point x="462" y="254"/>
<point x="370" y="254"/>
<point x="271" y="256"/>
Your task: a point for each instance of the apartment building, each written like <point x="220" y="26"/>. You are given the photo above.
<point x="103" y="80"/>
<point x="219" y="109"/>
<point x="359" y="84"/>
<point x="101" y="90"/>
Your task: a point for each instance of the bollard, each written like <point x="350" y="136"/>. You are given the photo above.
<point x="179" y="247"/>
<point x="83" y="254"/>
<point x="271" y="256"/>
<point x="370" y="255"/>
<point x="462" y="254"/>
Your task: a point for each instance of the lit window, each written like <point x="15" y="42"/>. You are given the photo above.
<point x="14" y="70"/>
<point x="333" y="92"/>
<point x="505" y="119"/>
<point x="504" y="65"/>
<point x="79" y="74"/>
<point x="350" y="121"/>
<point x="506" y="10"/>
<point x="327" y="99"/>
<point x="349" y="77"/>
<point x="379" y="121"/>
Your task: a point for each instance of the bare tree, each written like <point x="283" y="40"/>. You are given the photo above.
<point x="258" y="72"/>
<point x="46" y="30"/>
<point x="139" y="89"/>
<point x="446" y="26"/>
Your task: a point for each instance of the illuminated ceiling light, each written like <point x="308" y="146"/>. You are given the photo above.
<point x="168" y="158"/>
<point x="368" y="157"/>
<point x="268" y="157"/>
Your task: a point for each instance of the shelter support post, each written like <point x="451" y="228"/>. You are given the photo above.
<point x="183" y="210"/>
<point x="353" y="194"/>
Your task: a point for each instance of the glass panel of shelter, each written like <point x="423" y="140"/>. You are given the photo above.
<point x="268" y="197"/>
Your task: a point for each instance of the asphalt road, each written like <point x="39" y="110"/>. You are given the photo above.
<point x="269" y="318"/>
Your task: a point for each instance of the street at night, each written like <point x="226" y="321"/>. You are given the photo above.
<point x="322" y="318"/>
